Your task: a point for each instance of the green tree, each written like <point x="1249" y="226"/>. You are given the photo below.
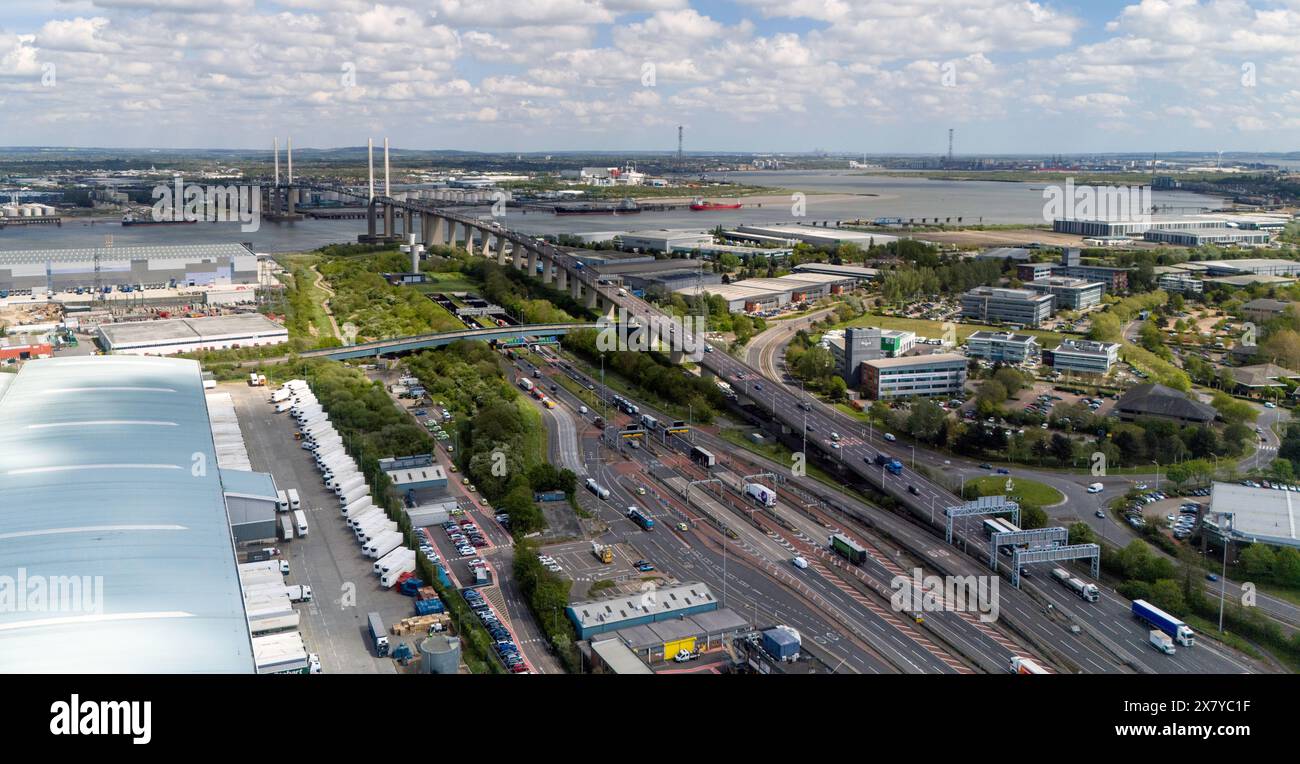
<point x="1258" y="560"/>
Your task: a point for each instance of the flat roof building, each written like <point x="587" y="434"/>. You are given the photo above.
<point x="754" y="295"/>
<point x="1010" y="306"/>
<point x="1002" y="346"/>
<point x="1257" y="266"/>
<point x="662" y="604"/>
<point x="414" y="473"/>
<point x="1263" y="515"/>
<point x="817" y="236"/>
<point x="99" y="483"/>
<point x="942" y="374"/>
<point x="185" y="264"/>
<point x="1082" y="356"/>
<point x="1264" y="309"/>
<point x="855" y="271"/>
<point x="664" y="240"/>
<point x="1069" y="293"/>
<point x="1230" y="236"/>
<point x="187" y="335"/>
<point x="1181" y="283"/>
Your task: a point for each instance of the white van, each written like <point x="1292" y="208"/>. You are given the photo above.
<point x="282" y="504"/>
<point x="294" y="503"/>
<point x="1096" y="488"/>
<point x="799" y="563"/>
<point x="300" y="522"/>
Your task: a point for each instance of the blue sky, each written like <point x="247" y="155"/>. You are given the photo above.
<point x="1009" y="76"/>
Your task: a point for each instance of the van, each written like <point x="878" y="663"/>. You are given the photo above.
<point x="294" y="503"/>
<point x="300" y="522"/>
<point x="1096" y="488"/>
<point x="799" y="563"/>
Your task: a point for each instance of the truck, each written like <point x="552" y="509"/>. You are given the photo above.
<point x="703" y="457"/>
<point x="649" y="422"/>
<point x="378" y="635"/>
<point x="300" y="522"/>
<point x="294" y="501"/>
<point x="1085" y="590"/>
<point x="299" y="593"/>
<point x="358" y="507"/>
<point x="365" y="517"/>
<point x="761" y="494"/>
<point x="385" y="563"/>
<point x="603" y="553"/>
<point x="280" y="395"/>
<point x="1155" y="617"/>
<point x="337" y="477"/>
<point x="646" y="522"/>
<point x="597" y="489"/>
<point x="1020" y="665"/>
<point x="282" y="501"/>
<point x="848" y="549"/>
<point x="375" y="531"/>
<point x="353" y="495"/>
<point x="526" y="384"/>
<point x="1161" y="641"/>
<point x="549" y="496"/>
<point x="286" y="528"/>
<point x="346" y="484"/>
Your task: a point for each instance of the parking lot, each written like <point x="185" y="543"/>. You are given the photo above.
<point x="328" y="559"/>
<point x="1177" y="514"/>
<point x="576" y="561"/>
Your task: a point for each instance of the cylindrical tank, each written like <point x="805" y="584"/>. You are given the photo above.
<point x="440" y="655"/>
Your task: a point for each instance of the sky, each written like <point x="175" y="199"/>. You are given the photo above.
<point x="870" y="76"/>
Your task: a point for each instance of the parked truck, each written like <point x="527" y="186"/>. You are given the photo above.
<point x="383" y="544"/>
<point x="1085" y="590"/>
<point x="1155" y="617"/>
<point x="407" y="565"/>
<point x="348" y="483"/>
<point x="649" y="422"/>
<point x="286" y="528"/>
<point x="354" y="494"/>
<point x="761" y="494"/>
<point x="300" y="522"/>
<point x="370" y="534"/>
<point x="597" y="489"/>
<point x="1161" y="641"/>
<point x="385" y="563"/>
<point x="299" y="593"/>
<point x="549" y="496"/>
<point x="526" y="384"/>
<point x="603" y="553"/>
<point x="378" y="635"/>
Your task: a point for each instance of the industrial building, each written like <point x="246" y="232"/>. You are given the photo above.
<point x="1082" y="356"/>
<point x="180" y="265"/>
<point x="414" y="473"/>
<point x="1011" y="306"/>
<point x="664" y="240"/>
<point x="864" y="344"/>
<point x="1252" y="266"/>
<point x="1069" y="293"/>
<point x="1110" y="228"/>
<point x="942" y="374"/>
<point x="117" y="454"/>
<point x="824" y="237"/>
<point x="1200" y="238"/>
<point x="1259" y="515"/>
<point x="858" y="272"/>
<point x="1264" y="309"/>
<point x="753" y="295"/>
<point x="667" y="603"/>
<point x="187" y="335"/>
<point x="1003" y="347"/>
<point x="661" y="640"/>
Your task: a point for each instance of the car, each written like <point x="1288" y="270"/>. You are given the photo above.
<point x="912" y="490"/>
<point x="472" y="489"/>
<point x="683" y="656"/>
<point x="1270" y="405"/>
<point x="464" y="481"/>
<point x="889" y="436"/>
<point x="645" y="567"/>
<point x="1211" y="577"/>
<point x="835" y="446"/>
<point x="1003" y="471"/>
<point x="682" y="527"/>
<point x="1099" y="513"/>
<point x="986" y="466"/>
<point x="640" y="490"/>
<point x="758" y="387"/>
<point x="453" y="468"/>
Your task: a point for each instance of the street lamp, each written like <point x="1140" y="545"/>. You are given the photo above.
<point x="1157" y="463"/>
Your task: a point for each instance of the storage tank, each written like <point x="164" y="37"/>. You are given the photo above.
<point x="440" y="655"/>
<point x="9" y="211"/>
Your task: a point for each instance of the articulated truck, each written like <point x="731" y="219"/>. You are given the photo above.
<point x="761" y="494"/>
<point x="1156" y="618"/>
<point x="378" y="635"/>
<point x="1020" y="665"/>
<point x="1085" y="590"/>
<point x="1161" y="641"/>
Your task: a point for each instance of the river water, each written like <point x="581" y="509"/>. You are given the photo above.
<point x="829" y="195"/>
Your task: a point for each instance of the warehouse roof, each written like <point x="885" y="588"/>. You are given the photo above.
<point x="661" y="601"/>
<point x="108" y="472"/>
<point x="186" y="251"/>
<point x="914" y="360"/>
<point x="1262" y="514"/>
<point x="192" y="329"/>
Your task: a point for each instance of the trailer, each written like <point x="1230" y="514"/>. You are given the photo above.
<point x="1086" y="591"/>
<point x="382" y="544"/>
<point x="389" y="579"/>
<point x="294" y="501"/>
<point x="382" y="564"/>
<point x="370" y="534"/>
<point x="703" y="457"/>
<point x="346" y="484"/>
<point x="597" y="489"/>
<point x="356" y="508"/>
<point x="378" y="635"/>
<point x="364" y="519"/>
<point x="525" y="383"/>
<point x="282" y="500"/>
<point x="365" y="528"/>
<point x="280" y="395"/>
<point x="643" y="520"/>
<point x="848" y="549"/>
<point x="286" y="528"/>
<point x="760" y="494"/>
<point x="300" y="522"/>
<point x="649" y="422"/>
<point x="1156" y="618"/>
<point x="354" y="494"/>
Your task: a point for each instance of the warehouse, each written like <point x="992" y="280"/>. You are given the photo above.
<point x="114" y="267"/>
<point x="663" y="604"/>
<point x="187" y="335"/>
<point x="1262" y="515"/>
<point x="761" y="294"/>
<point x="414" y="473"/>
<point x="854" y="271"/>
<point x="827" y="238"/>
<point x="108" y="448"/>
<point x="250" y="504"/>
<point x="664" y="240"/>
<point x="1253" y="267"/>
<point x="663" y="639"/>
<point x="1229" y="236"/>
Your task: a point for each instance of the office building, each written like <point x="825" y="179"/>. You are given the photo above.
<point x="1010" y="306"/>
<point x="1003" y="347"/>
<point x="1069" y="293"/>
<point x="941" y="374"/>
<point x="1181" y="283"/>
<point x="1082" y="356"/>
<point x="1156" y="400"/>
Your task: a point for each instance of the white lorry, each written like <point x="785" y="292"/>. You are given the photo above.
<point x="383" y="544"/>
<point x="300" y="522"/>
<point x="390" y="560"/>
<point x="354" y="494"/>
<point x="1161" y="641"/>
<point x="407" y="565"/>
<point x="299" y="593"/>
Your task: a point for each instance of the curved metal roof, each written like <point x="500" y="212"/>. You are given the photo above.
<point x="110" y="492"/>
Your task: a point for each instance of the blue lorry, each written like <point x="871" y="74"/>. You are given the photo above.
<point x="1156" y="618"/>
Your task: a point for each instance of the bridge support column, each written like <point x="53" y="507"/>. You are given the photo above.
<point x="532" y="263"/>
<point x="426" y="237"/>
<point x="575" y="288"/>
<point x="564" y="279"/>
<point x="439" y="230"/>
<point x="548" y="276"/>
<point x="388" y="221"/>
<point x="590" y="299"/>
<point x="487" y="245"/>
<point x="501" y="250"/>
<point x="293" y="202"/>
<point x="371" y="221"/>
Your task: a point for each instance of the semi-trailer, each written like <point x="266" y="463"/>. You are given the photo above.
<point x="286" y="528"/>
<point x="300" y="522"/>
<point x="597" y="489"/>
<point x="1155" y="617"/>
<point x="294" y="501"/>
<point x="383" y="544"/>
<point x="703" y="457"/>
<point x="848" y="549"/>
<point x="341" y="477"/>
<point x="346" y="484"/>
<point x="370" y="534"/>
<point x="407" y="565"/>
<point x="761" y="494"/>
<point x="359" y="507"/>
<point x="383" y="564"/>
<point x="1085" y="590"/>
<point x="1020" y="665"/>
<point x="280" y="395"/>
<point x="354" y="494"/>
<point x="282" y="500"/>
<point x="367" y="527"/>
<point x="525" y="383"/>
<point x="378" y="635"/>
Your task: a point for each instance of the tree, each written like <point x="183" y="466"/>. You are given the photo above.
<point x="1082" y="533"/>
<point x="1283" y="348"/>
<point x="1062" y="448"/>
<point x="1258" y="560"/>
<point x="1167" y="595"/>
<point x="926" y="420"/>
<point x="1105" y="328"/>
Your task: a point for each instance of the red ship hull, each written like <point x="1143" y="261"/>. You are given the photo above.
<point x="708" y="206"/>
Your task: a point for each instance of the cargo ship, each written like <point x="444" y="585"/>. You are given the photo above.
<point x="699" y="205"/>
<point x="129" y="220"/>
<point x="625" y="207"/>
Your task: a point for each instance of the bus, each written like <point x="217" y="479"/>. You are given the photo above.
<point x="848" y="549"/>
<point x="646" y="522"/>
<point x="703" y="457"/>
